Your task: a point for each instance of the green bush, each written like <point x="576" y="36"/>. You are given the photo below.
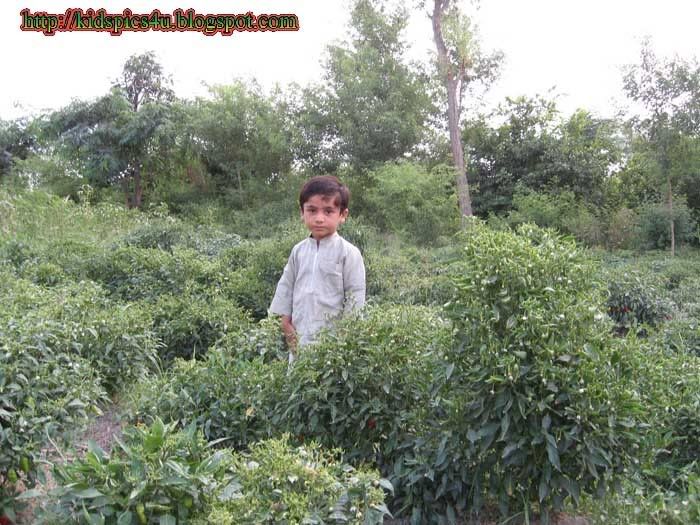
<point x="255" y="269"/>
<point x="279" y="484"/>
<point x="682" y="336"/>
<point x="655" y="225"/>
<point x="81" y="320"/>
<point x="166" y="234"/>
<point x="543" y="209"/>
<point x="153" y="475"/>
<point x="640" y="503"/>
<point x="45" y="274"/>
<point x="225" y="396"/>
<point x="407" y="278"/>
<point x="539" y="390"/>
<point x="634" y="298"/>
<point x="188" y="326"/>
<point x="359" y="233"/>
<point x="131" y="273"/>
<point x="161" y="234"/>
<point x="405" y="199"/>
<point x="562" y="211"/>
<point x="17" y="253"/>
<point x="43" y="392"/>
<point x="366" y="383"/>
<point x="623" y="229"/>
<point x="264" y="340"/>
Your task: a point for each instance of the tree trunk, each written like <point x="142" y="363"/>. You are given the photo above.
<point x="670" y="216"/>
<point x="125" y="189"/>
<point x="452" y="82"/>
<point x="138" y="187"/>
<point x="463" y="195"/>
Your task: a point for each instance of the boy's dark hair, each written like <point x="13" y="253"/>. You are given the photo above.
<point x="328" y="186"/>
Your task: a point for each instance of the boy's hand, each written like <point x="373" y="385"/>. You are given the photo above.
<point x="290" y="333"/>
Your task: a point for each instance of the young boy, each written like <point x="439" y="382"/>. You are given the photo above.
<point x="325" y="274"/>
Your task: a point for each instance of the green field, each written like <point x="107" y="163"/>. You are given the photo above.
<point x="504" y="372"/>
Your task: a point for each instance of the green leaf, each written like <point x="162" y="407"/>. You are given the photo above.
<point x="546" y="422"/>
<point x="543" y="490"/>
<point x="125" y="518"/>
<point x="231" y="491"/>
<point x="167" y="519"/>
<point x="381" y="507"/>
<point x="552" y="452"/>
<point x="451" y="516"/>
<point x="449" y="370"/>
<point x="29" y="494"/>
<point x="88" y="493"/>
<point x="385" y="483"/>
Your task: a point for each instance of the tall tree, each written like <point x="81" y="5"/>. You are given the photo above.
<point x="460" y="62"/>
<point x="119" y="134"/>
<point x="669" y="91"/>
<point x="241" y="135"/>
<point x="373" y="104"/>
<point x="142" y="81"/>
<point x="538" y="150"/>
<point x="18" y="139"/>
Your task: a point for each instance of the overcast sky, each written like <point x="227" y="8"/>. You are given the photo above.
<point x="575" y="48"/>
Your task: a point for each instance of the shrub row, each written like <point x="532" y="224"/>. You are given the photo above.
<point x="158" y="475"/>
<point x="524" y="399"/>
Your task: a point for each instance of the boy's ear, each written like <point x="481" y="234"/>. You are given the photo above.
<point x="344" y="214"/>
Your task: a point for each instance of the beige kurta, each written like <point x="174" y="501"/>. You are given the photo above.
<point x="321" y="281"/>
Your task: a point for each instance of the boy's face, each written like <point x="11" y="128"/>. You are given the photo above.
<point x="322" y="216"/>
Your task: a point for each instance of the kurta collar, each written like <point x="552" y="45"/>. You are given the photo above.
<point x="325" y="241"/>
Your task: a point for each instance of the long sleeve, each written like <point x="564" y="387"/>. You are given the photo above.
<point x="284" y="294"/>
<point x="354" y="280"/>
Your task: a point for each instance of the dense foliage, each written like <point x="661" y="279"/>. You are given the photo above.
<point x="483" y="377"/>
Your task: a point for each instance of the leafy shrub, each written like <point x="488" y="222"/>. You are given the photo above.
<point x="543" y="209"/>
<point x="43" y="392"/>
<point x="17" y="252"/>
<point x="155" y="475"/>
<point x="264" y="340"/>
<point x="188" y="326"/>
<point x="585" y="226"/>
<point x="159" y="234"/>
<point x="633" y="299"/>
<point x="145" y="273"/>
<point x="168" y="233"/>
<point x="77" y="319"/>
<point x="667" y="383"/>
<point x="211" y="242"/>
<point x="366" y="383"/>
<point x="407" y="278"/>
<point x="682" y="336"/>
<point x="224" y="396"/>
<point x="538" y="390"/>
<point x="562" y="211"/>
<point x="45" y="274"/>
<point x="255" y="269"/>
<point x="359" y="233"/>
<point x="68" y="255"/>
<point x="278" y="484"/>
<point x="649" y="504"/>
<point x="623" y="229"/>
<point x="655" y="225"/>
<point x="406" y="199"/>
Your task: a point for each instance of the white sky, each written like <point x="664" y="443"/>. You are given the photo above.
<point x="575" y="47"/>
